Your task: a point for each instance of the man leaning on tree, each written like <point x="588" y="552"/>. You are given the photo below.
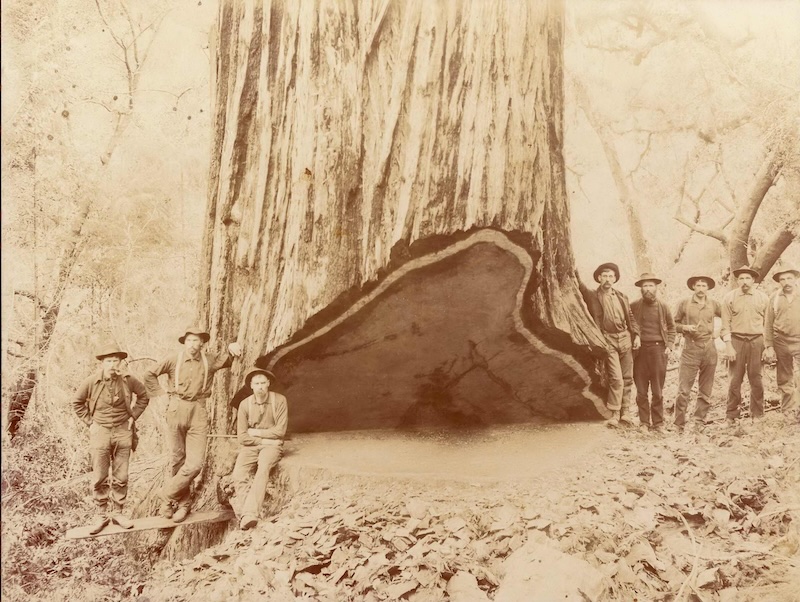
<point x="261" y="426"/>
<point x="782" y="340"/>
<point x="743" y="313"/>
<point x="105" y="403"/>
<point x="611" y="312"/>
<point x="657" y="331"/>
<point x="189" y="376"/>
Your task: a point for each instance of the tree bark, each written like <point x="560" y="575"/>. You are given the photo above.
<point x="357" y="138"/>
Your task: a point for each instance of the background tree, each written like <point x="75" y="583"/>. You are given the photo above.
<point x="704" y="131"/>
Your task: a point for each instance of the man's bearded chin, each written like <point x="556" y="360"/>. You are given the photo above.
<point x="649" y="296"/>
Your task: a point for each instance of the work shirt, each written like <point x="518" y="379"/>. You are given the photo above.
<point x="103" y="400"/>
<point x="613" y="316"/>
<point x="694" y="312"/>
<point x="743" y="313"/>
<point x="192" y="373"/>
<point x="785" y="321"/>
<point x="262" y="419"/>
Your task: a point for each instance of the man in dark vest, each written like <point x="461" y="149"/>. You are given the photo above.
<point x="612" y="314"/>
<point x="189" y="375"/>
<point x="104" y="402"/>
<point x="782" y="339"/>
<point x="694" y="319"/>
<point x="657" y="332"/>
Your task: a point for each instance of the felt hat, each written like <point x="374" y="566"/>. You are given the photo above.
<point x="257" y="371"/>
<point x="777" y="275"/>
<point x="647" y="277"/>
<point x="746" y="270"/>
<point x="691" y="282"/>
<point x="111" y="350"/>
<point x="197" y="330"/>
<point x="606" y="266"/>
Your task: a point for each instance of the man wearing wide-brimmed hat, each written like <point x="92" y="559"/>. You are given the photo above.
<point x="105" y="403"/>
<point x="261" y="426"/>
<point x="612" y="314"/>
<point x="657" y="333"/>
<point x="782" y="340"/>
<point x="743" y="312"/>
<point x="189" y="377"/>
<point x="695" y="320"/>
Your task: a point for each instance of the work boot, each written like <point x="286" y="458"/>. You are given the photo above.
<point x="118" y="518"/>
<point x="101" y="522"/>
<point x="644" y="428"/>
<point x="679" y="429"/>
<point x="248" y="522"/>
<point x="613" y="422"/>
<point x="626" y="422"/>
<point x="730" y="423"/>
<point x="181" y="513"/>
<point x="698" y="427"/>
<point x="166" y="509"/>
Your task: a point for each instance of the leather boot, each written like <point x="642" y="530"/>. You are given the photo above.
<point x="181" y="513"/>
<point x="614" y="420"/>
<point x="100" y="522"/>
<point x="118" y="518"/>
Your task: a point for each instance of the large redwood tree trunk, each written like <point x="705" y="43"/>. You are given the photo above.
<point x="360" y="138"/>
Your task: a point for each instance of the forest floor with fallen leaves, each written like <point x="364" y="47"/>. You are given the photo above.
<point x="526" y="512"/>
<point x="709" y="516"/>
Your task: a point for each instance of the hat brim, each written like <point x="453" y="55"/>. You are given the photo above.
<point x="258" y="371"/>
<point x="643" y="280"/>
<point x="693" y="280"/>
<point x="120" y="354"/>
<point x="753" y="273"/>
<point x="203" y="335"/>
<point x="602" y="268"/>
<point x="777" y="275"/>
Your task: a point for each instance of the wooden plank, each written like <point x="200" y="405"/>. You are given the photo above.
<point x="153" y="522"/>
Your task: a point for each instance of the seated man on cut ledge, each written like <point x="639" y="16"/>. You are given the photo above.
<point x="261" y="426"/>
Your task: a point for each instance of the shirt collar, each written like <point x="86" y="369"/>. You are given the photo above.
<point x="261" y="403"/>
<point x="99" y="377"/>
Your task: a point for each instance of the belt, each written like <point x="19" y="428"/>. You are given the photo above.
<point x="649" y="343"/>
<point x="178" y="397"/>
<point x="746" y="337"/>
<point x="618" y="332"/>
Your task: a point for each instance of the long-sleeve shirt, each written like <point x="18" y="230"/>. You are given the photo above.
<point x="784" y="322"/>
<point x="258" y="420"/>
<point x="106" y="401"/>
<point x="192" y="375"/>
<point x="663" y="324"/>
<point x="743" y="313"/>
<point x="595" y="305"/>
<point x="693" y="312"/>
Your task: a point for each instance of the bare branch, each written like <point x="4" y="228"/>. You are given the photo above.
<point x="712" y="232"/>
<point x="113" y="35"/>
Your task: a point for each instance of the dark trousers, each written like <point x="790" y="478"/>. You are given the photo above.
<point x="748" y="360"/>
<point x="698" y="360"/>
<point x="649" y="371"/>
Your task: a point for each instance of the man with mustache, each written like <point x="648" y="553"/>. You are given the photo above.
<point x="189" y="376"/>
<point x="782" y="340"/>
<point x="743" y="313"/>
<point x="611" y="312"/>
<point x="261" y="424"/>
<point x="657" y="332"/>
<point x="104" y="403"/>
<point x="694" y="319"/>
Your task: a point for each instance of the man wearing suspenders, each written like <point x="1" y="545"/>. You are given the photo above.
<point x="103" y="403"/>
<point x="260" y="427"/>
<point x="782" y="340"/>
<point x="189" y="376"/>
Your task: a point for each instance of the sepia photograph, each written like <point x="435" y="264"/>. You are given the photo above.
<point x="400" y="300"/>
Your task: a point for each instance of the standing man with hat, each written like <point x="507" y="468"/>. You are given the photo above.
<point x="657" y="330"/>
<point x="261" y="426"/>
<point x="611" y="312"/>
<point x="694" y="319"/>
<point x="189" y="376"/>
<point x="782" y="339"/>
<point x="743" y="313"/>
<point x="104" y="403"/>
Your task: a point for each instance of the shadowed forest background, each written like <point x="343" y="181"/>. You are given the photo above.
<point x="681" y="148"/>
